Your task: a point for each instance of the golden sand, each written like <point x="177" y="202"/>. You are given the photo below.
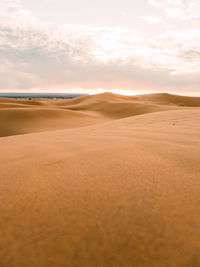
<point x="103" y="180"/>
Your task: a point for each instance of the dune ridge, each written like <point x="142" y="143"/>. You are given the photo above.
<point x="20" y="116"/>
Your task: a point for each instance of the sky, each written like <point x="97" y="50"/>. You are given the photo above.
<point x="99" y="45"/>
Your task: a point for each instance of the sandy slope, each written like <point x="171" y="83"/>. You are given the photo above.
<point x="123" y="192"/>
<point x="28" y="120"/>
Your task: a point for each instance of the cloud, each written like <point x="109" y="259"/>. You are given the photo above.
<point x="190" y="55"/>
<point x="34" y="54"/>
<point x="183" y="10"/>
<point x="151" y="20"/>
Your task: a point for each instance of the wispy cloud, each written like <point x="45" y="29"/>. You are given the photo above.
<point x="184" y="10"/>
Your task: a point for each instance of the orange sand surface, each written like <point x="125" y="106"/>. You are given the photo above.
<point x="102" y="180"/>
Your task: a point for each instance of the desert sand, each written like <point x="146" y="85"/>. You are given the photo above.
<point x="102" y="180"/>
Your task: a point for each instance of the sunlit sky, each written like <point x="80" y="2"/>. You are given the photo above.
<point x="127" y="46"/>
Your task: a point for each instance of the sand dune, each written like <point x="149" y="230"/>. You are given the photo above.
<point x="120" y="192"/>
<point x="21" y="101"/>
<point x="19" y="116"/>
<point x="28" y="120"/>
<point x="169" y="99"/>
<point x="114" y="106"/>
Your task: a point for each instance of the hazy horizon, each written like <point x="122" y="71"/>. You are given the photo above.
<point x="127" y="47"/>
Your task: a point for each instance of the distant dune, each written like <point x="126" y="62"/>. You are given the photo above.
<point x="26" y="116"/>
<point x="101" y="180"/>
<point x="169" y="99"/>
